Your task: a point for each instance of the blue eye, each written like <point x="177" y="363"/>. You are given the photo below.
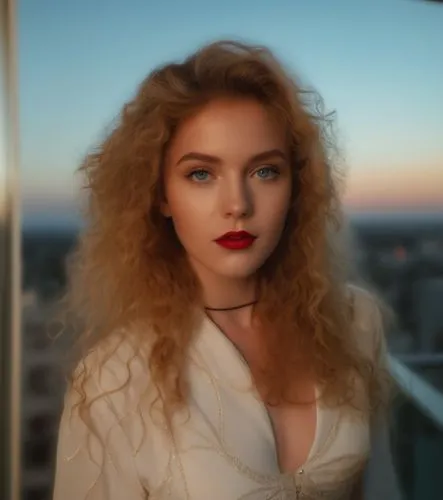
<point x="267" y="173"/>
<point x="200" y="175"/>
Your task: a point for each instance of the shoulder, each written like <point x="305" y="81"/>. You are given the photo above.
<point x="116" y="370"/>
<point x="364" y="303"/>
<point x="99" y="431"/>
<point x="367" y="321"/>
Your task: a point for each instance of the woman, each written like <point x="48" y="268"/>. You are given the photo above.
<point x="224" y="355"/>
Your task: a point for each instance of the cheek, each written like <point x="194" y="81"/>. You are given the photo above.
<point x="278" y="208"/>
<point x="282" y="208"/>
<point x="186" y="214"/>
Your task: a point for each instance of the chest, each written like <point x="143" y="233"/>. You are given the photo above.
<point x="231" y="445"/>
<point x="294" y="429"/>
<point x="293" y="426"/>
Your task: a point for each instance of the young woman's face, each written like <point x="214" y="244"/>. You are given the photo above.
<point x="227" y="170"/>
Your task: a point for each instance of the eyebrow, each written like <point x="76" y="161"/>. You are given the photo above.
<point x="264" y="155"/>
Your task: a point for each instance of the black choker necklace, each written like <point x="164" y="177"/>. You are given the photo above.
<point x="231" y="308"/>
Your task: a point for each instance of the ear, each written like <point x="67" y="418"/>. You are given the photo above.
<point x="164" y="209"/>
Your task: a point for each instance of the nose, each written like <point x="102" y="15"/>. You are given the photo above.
<point x="236" y="198"/>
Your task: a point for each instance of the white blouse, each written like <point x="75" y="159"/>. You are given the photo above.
<point x="223" y="446"/>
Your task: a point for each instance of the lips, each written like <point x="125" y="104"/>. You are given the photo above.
<point x="236" y="240"/>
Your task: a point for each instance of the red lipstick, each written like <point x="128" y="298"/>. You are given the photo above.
<point x="236" y="240"/>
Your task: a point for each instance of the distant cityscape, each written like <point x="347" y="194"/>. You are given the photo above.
<point x="402" y="257"/>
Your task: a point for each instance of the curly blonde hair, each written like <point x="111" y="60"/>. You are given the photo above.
<point x="129" y="272"/>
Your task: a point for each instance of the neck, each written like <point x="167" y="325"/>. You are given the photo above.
<point x="228" y="294"/>
<point x="225" y="293"/>
<point x="232" y="308"/>
<point x="237" y="317"/>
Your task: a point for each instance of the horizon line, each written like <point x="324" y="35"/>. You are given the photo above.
<point x="72" y="222"/>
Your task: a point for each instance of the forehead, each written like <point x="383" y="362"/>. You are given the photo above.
<point x="229" y="128"/>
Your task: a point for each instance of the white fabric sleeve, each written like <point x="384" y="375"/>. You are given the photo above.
<point x="87" y="470"/>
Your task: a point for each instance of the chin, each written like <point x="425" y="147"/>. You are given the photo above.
<point x="240" y="275"/>
<point x="237" y="271"/>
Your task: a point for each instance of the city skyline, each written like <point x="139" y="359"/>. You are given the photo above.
<point x="375" y="64"/>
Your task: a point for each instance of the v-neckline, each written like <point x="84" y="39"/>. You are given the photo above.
<point x="262" y="406"/>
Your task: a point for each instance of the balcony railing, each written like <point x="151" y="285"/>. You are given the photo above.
<point x="417" y="431"/>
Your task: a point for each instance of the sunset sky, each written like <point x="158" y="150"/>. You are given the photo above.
<point x="377" y="63"/>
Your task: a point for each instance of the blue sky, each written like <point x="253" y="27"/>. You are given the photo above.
<point x="378" y="63"/>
